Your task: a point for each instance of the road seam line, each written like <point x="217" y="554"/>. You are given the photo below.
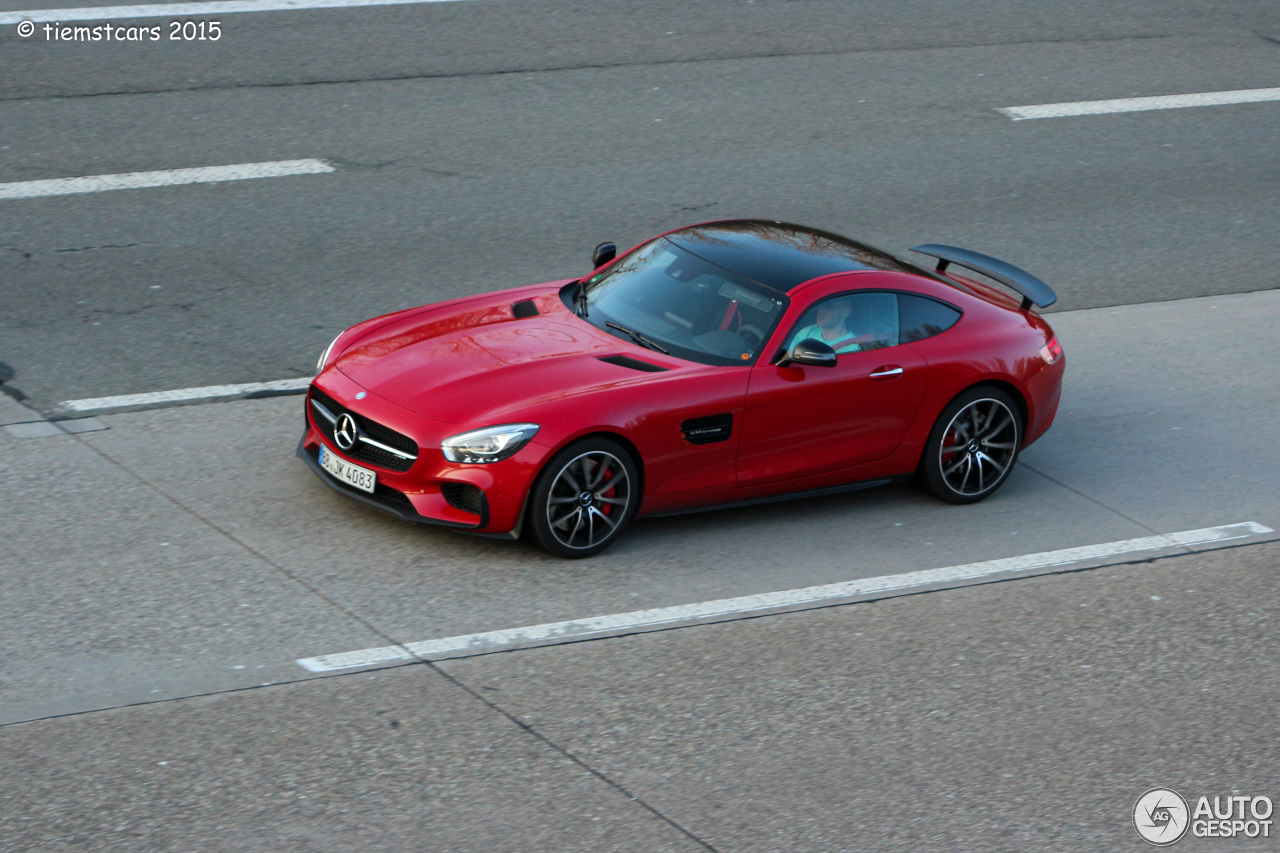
<point x="552" y="633"/>
<point x="551" y="744"/>
<point x="1091" y="499"/>
<point x="435" y="665"/>
<point x="226" y="534"/>
<point x="456" y="682"/>
<point x="298" y="385"/>
<point x="552" y="69"/>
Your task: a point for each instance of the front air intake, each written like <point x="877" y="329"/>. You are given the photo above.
<point x="463" y="496"/>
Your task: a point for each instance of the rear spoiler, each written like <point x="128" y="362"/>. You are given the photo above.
<point x="1033" y="290"/>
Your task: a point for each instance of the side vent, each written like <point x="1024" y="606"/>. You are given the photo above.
<point x="707" y="430"/>
<point x="633" y="363"/>
<point x="524" y="308"/>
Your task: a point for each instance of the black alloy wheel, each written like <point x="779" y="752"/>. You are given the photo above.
<point x="584" y="498"/>
<point x="973" y="446"/>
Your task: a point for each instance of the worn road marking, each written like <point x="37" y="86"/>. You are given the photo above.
<point x="164" y="178"/>
<point x="1133" y="105"/>
<point x="183" y="395"/>
<point x="179" y="10"/>
<point x="792" y="599"/>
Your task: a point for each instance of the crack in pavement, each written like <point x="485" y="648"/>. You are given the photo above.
<point x="36" y="254"/>
<point x="557" y="747"/>
<point x="404" y="162"/>
<point x="1099" y="503"/>
<point x="586" y="66"/>
<point x="92" y="248"/>
<point x="494" y="708"/>
<point x="745" y="617"/>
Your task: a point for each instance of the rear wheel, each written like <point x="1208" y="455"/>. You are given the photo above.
<point x="584" y="498"/>
<point x="973" y="446"/>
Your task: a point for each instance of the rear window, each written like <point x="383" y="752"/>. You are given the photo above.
<point x="920" y="317"/>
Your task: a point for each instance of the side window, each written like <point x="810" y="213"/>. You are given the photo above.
<point x="923" y="318"/>
<point x="850" y="322"/>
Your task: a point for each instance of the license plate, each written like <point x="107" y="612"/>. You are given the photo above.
<point x="361" y="478"/>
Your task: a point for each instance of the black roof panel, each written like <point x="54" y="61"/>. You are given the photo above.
<point x="780" y="255"/>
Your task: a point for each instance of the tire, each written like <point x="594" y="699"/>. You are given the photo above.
<point x="973" y="446"/>
<point x="584" y="498"/>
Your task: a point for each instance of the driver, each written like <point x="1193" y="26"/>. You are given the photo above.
<point x="830" y="327"/>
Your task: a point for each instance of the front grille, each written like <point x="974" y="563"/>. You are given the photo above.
<point x="362" y="451"/>
<point x="463" y="496"/>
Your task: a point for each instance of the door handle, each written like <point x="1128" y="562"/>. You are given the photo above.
<point x="887" y="372"/>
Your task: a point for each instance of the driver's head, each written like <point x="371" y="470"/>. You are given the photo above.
<point x="833" y="313"/>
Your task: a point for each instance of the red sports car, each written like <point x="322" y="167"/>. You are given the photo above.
<point x="721" y="364"/>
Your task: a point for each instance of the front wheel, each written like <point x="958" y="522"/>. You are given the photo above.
<point x="973" y="446"/>
<point x="584" y="498"/>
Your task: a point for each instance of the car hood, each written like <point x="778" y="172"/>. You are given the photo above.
<point x="478" y="362"/>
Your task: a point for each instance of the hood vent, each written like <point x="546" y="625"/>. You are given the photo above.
<point x="633" y="363"/>
<point x="524" y="308"/>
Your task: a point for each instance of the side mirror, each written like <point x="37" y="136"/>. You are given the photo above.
<point x="810" y="351"/>
<point x="604" y="253"/>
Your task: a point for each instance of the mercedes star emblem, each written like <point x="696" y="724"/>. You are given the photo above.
<point x="345" y="431"/>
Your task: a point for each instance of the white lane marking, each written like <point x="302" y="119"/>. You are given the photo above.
<point x="177" y="10"/>
<point x="164" y="178"/>
<point x="181" y="395"/>
<point x="1132" y="105"/>
<point x="579" y="629"/>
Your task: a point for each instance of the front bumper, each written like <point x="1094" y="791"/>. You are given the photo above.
<point x="487" y="500"/>
<point x="384" y="497"/>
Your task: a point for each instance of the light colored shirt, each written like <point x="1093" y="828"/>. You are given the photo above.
<point x="815" y="331"/>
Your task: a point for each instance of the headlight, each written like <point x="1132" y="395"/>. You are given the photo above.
<point x="490" y="444"/>
<point x="324" y="356"/>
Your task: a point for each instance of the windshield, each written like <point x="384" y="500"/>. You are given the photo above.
<point x="665" y="298"/>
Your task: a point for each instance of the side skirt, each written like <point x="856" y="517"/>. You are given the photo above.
<point x="790" y="496"/>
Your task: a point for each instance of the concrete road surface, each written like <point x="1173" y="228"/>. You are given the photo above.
<point x="170" y="572"/>
<point x="1019" y="716"/>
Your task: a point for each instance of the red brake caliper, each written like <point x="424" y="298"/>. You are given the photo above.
<point x="607" y="508"/>
<point x="948" y="440"/>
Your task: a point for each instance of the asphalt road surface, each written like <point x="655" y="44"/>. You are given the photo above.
<point x="483" y="144"/>
<point x="163" y="572"/>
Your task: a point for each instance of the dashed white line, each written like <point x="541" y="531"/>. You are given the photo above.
<point x="164" y="178"/>
<point x="1132" y="105"/>
<point x="178" y="10"/>
<point x="711" y="611"/>
<point x="207" y="393"/>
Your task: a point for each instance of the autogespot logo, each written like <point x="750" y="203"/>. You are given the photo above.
<point x="1161" y="816"/>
